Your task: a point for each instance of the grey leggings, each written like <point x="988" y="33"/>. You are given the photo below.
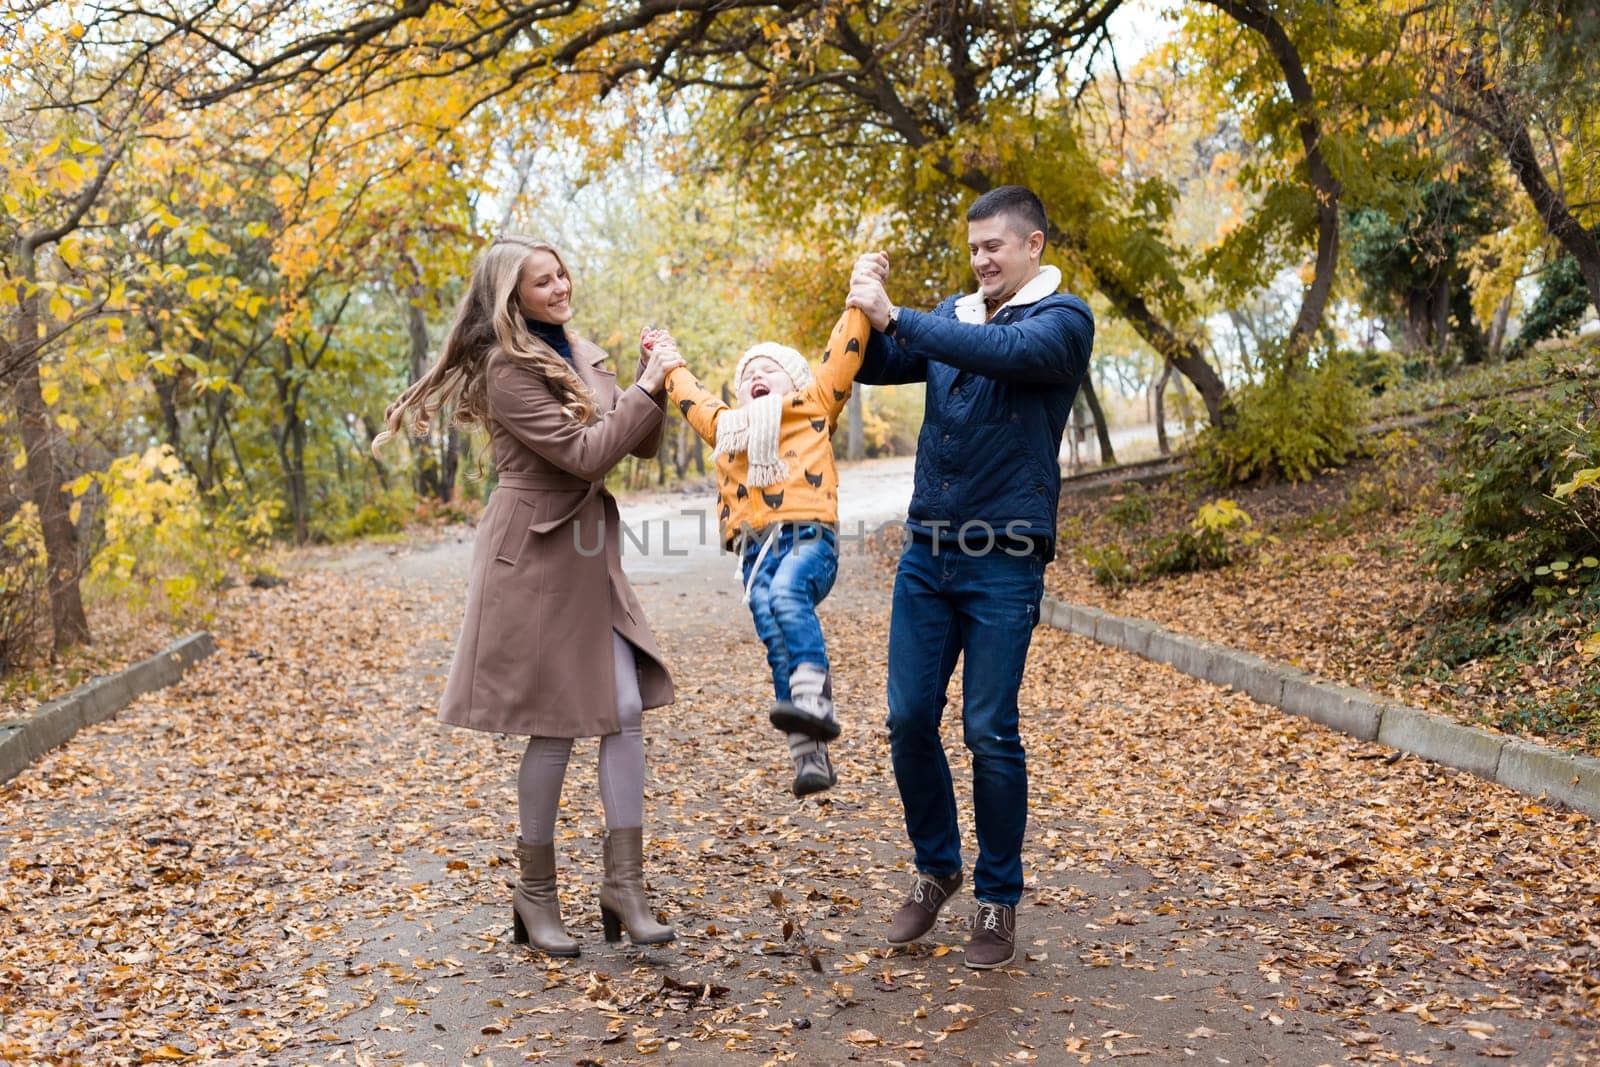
<point x="544" y="764"/>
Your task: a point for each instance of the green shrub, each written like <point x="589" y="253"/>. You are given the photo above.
<point x="385" y="513"/>
<point x="1109" y="566"/>
<point x="1508" y="535"/>
<point x="1133" y="509"/>
<point x="1218" y="536"/>
<point x="167" y="545"/>
<point x="1285" y="427"/>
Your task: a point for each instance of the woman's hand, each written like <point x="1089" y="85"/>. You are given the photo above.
<point x="660" y="358"/>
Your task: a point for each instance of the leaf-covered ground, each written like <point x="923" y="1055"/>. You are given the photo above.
<point x="1337" y="587"/>
<point x="284" y="859"/>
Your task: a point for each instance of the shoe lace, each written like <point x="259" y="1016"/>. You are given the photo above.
<point x="989" y="917"/>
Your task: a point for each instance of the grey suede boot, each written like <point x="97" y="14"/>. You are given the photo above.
<point x="622" y="900"/>
<point x="535" y="909"/>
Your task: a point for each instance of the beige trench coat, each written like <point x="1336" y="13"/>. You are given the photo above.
<point x="546" y="586"/>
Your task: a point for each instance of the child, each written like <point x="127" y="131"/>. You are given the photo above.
<point x="778" y="509"/>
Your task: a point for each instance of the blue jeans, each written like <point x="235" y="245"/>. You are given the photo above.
<point x="796" y="574"/>
<point x="947" y="603"/>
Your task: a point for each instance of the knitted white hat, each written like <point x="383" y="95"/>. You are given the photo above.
<point x="756" y="428"/>
<point x="793" y="363"/>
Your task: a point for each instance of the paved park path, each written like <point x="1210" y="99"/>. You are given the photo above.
<point x="286" y="860"/>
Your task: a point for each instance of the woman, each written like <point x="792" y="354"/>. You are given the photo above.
<point x="554" y="644"/>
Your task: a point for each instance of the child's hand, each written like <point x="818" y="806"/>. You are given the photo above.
<point x="648" y="337"/>
<point x="660" y="359"/>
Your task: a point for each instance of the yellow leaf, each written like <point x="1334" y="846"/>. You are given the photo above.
<point x="80" y="485"/>
<point x="12" y="204"/>
<point x="67" y="422"/>
<point x="75" y="511"/>
<point x="51" y="393"/>
<point x="60" y="308"/>
<point x="69" y="253"/>
<point x="198" y="288"/>
<point x="114" y="332"/>
<point x="21" y="460"/>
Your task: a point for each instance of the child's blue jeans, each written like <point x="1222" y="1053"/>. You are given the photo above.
<point x="796" y="574"/>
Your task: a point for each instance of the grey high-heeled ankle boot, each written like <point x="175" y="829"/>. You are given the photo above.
<point x="622" y="900"/>
<point x="535" y="908"/>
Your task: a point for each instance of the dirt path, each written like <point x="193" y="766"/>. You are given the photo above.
<point x="1208" y="881"/>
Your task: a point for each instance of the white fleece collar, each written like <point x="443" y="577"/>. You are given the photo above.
<point x="970" y="308"/>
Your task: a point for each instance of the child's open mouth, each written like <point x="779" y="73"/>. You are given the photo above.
<point x="759" y="390"/>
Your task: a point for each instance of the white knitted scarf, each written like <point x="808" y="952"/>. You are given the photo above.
<point x="753" y="429"/>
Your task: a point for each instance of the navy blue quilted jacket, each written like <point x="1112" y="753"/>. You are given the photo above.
<point x="998" y="398"/>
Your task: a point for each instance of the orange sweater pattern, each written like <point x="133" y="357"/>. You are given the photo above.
<point x="809" y="416"/>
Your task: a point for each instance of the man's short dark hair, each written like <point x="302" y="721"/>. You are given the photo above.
<point x="1017" y="202"/>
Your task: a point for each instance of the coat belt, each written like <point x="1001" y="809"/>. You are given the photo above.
<point x="559" y="483"/>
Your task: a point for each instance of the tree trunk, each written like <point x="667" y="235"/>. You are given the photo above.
<point x="1184" y="355"/>
<point x="1159" y="392"/>
<point x="1185" y="414"/>
<point x="1498" y="118"/>
<point x="427" y="477"/>
<point x="1497" y="330"/>
<point x="291" y="455"/>
<point x="68" y="622"/>
<point x="1324" y="186"/>
<point x="856" y="446"/>
<point x="1102" y="431"/>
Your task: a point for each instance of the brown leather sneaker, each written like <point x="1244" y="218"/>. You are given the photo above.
<point x="994" y="936"/>
<point x="921" y="910"/>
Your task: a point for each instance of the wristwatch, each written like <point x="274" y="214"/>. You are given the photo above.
<point x="894" y="321"/>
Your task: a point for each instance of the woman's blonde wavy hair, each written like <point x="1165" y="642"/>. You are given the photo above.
<point x="487" y="320"/>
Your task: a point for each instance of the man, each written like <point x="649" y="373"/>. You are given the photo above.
<point x="1002" y="367"/>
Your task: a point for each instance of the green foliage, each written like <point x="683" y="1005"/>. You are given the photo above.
<point x="166" y="546"/>
<point x="1109" y="565"/>
<point x="382" y="513"/>
<point x="1408" y="259"/>
<point x="1286" y="427"/>
<point x="1508" y="645"/>
<point x="1219" y="535"/>
<point x="1133" y="509"/>
<point x="1465" y="386"/>
<point x="1524" y="517"/>
<point x="1560" y="307"/>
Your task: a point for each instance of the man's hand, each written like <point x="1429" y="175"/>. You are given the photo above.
<point x="868" y="295"/>
<point x="871" y="266"/>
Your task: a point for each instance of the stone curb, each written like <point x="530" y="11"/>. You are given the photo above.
<point x="24" y="740"/>
<point x="1528" y="768"/>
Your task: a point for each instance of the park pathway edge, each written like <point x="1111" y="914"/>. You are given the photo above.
<point x="1527" y="767"/>
<point x="25" y="739"/>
